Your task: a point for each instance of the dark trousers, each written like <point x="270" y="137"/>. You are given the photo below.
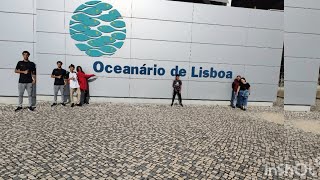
<point x="82" y="97"/>
<point x="174" y="96"/>
<point x="85" y="97"/>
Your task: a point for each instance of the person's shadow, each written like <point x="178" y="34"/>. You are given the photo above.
<point x="88" y="93"/>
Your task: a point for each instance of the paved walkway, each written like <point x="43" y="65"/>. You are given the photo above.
<point x="121" y="141"/>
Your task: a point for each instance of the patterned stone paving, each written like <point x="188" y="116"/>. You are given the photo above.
<point x="303" y="147"/>
<point x="123" y="141"/>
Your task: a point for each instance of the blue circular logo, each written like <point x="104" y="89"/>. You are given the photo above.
<point x="98" y="29"/>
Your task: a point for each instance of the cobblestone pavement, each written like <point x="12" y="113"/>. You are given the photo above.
<point x="304" y="146"/>
<point x="123" y="141"/>
<point x="316" y="107"/>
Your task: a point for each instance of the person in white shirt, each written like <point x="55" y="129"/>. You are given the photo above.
<point x="74" y="85"/>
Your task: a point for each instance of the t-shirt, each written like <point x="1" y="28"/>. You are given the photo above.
<point x="23" y="66"/>
<point x="59" y="72"/>
<point x="244" y="86"/>
<point x="74" y="83"/>
<point x="177" y="85"/>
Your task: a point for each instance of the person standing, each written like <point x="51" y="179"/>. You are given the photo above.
<point x="177" y="86"/>
<point x="234" y="97"/>
<point x="27" y="71"/>
<point x="74" y="86"/>
<point x="243" y="93"/>
<point x="59" y="75"/>
<point x="83" y="82"/>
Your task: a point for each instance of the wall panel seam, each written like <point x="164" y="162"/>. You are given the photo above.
<point x="298" y="7"/>
<point x="182" y="42"/>
<point x="194" y="62"/>
<point x="170" y="79"/>
<point x="301" y="57"/>
<point x="200" y="23"/>
<point x="288" y="80"/>
<point x="13" y="41"/>
<point x="304" y="33"/>
<point x="20" y="13"/>
<point x="129" y="93"/>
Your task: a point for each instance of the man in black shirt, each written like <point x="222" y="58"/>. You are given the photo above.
<point x="27" y="71"/>
<point x="60" y="82"/>
<point x="177" y="85"/>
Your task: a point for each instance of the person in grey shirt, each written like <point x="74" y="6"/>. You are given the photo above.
<point x="60" y="82"/>
<point x="27" y="71"/>
<point x="177" y="86"/>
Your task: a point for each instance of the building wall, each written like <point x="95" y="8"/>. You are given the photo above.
<point x="17" y="19"/>
<point x="167" y="33"/>
<point x="302" y="55"/>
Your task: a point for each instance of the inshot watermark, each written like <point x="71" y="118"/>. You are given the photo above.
<point x="299" y="169"/>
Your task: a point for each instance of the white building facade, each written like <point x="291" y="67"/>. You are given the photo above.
<point x="210" y="46"/>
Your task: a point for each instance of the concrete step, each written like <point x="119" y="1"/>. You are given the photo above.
<point x="281" y="92"/>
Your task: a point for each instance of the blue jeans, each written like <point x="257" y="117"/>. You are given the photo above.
<point x="234" y="99"/>
<point x="243" y="95"/>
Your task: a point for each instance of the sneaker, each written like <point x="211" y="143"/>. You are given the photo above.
<point x="79" y="105"/>
<point x="72" y="105"/>
<point x="172" y="104"/>
<point x="63" y="104"/>
<point x="30" y="109"/>
<point x="181" y="105"/>
<point x="54" y="104"/>
<point x="233" y="107"/>
<point x="18" y="109"/>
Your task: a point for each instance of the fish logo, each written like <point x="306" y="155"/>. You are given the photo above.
<point x="98" y="29"/>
